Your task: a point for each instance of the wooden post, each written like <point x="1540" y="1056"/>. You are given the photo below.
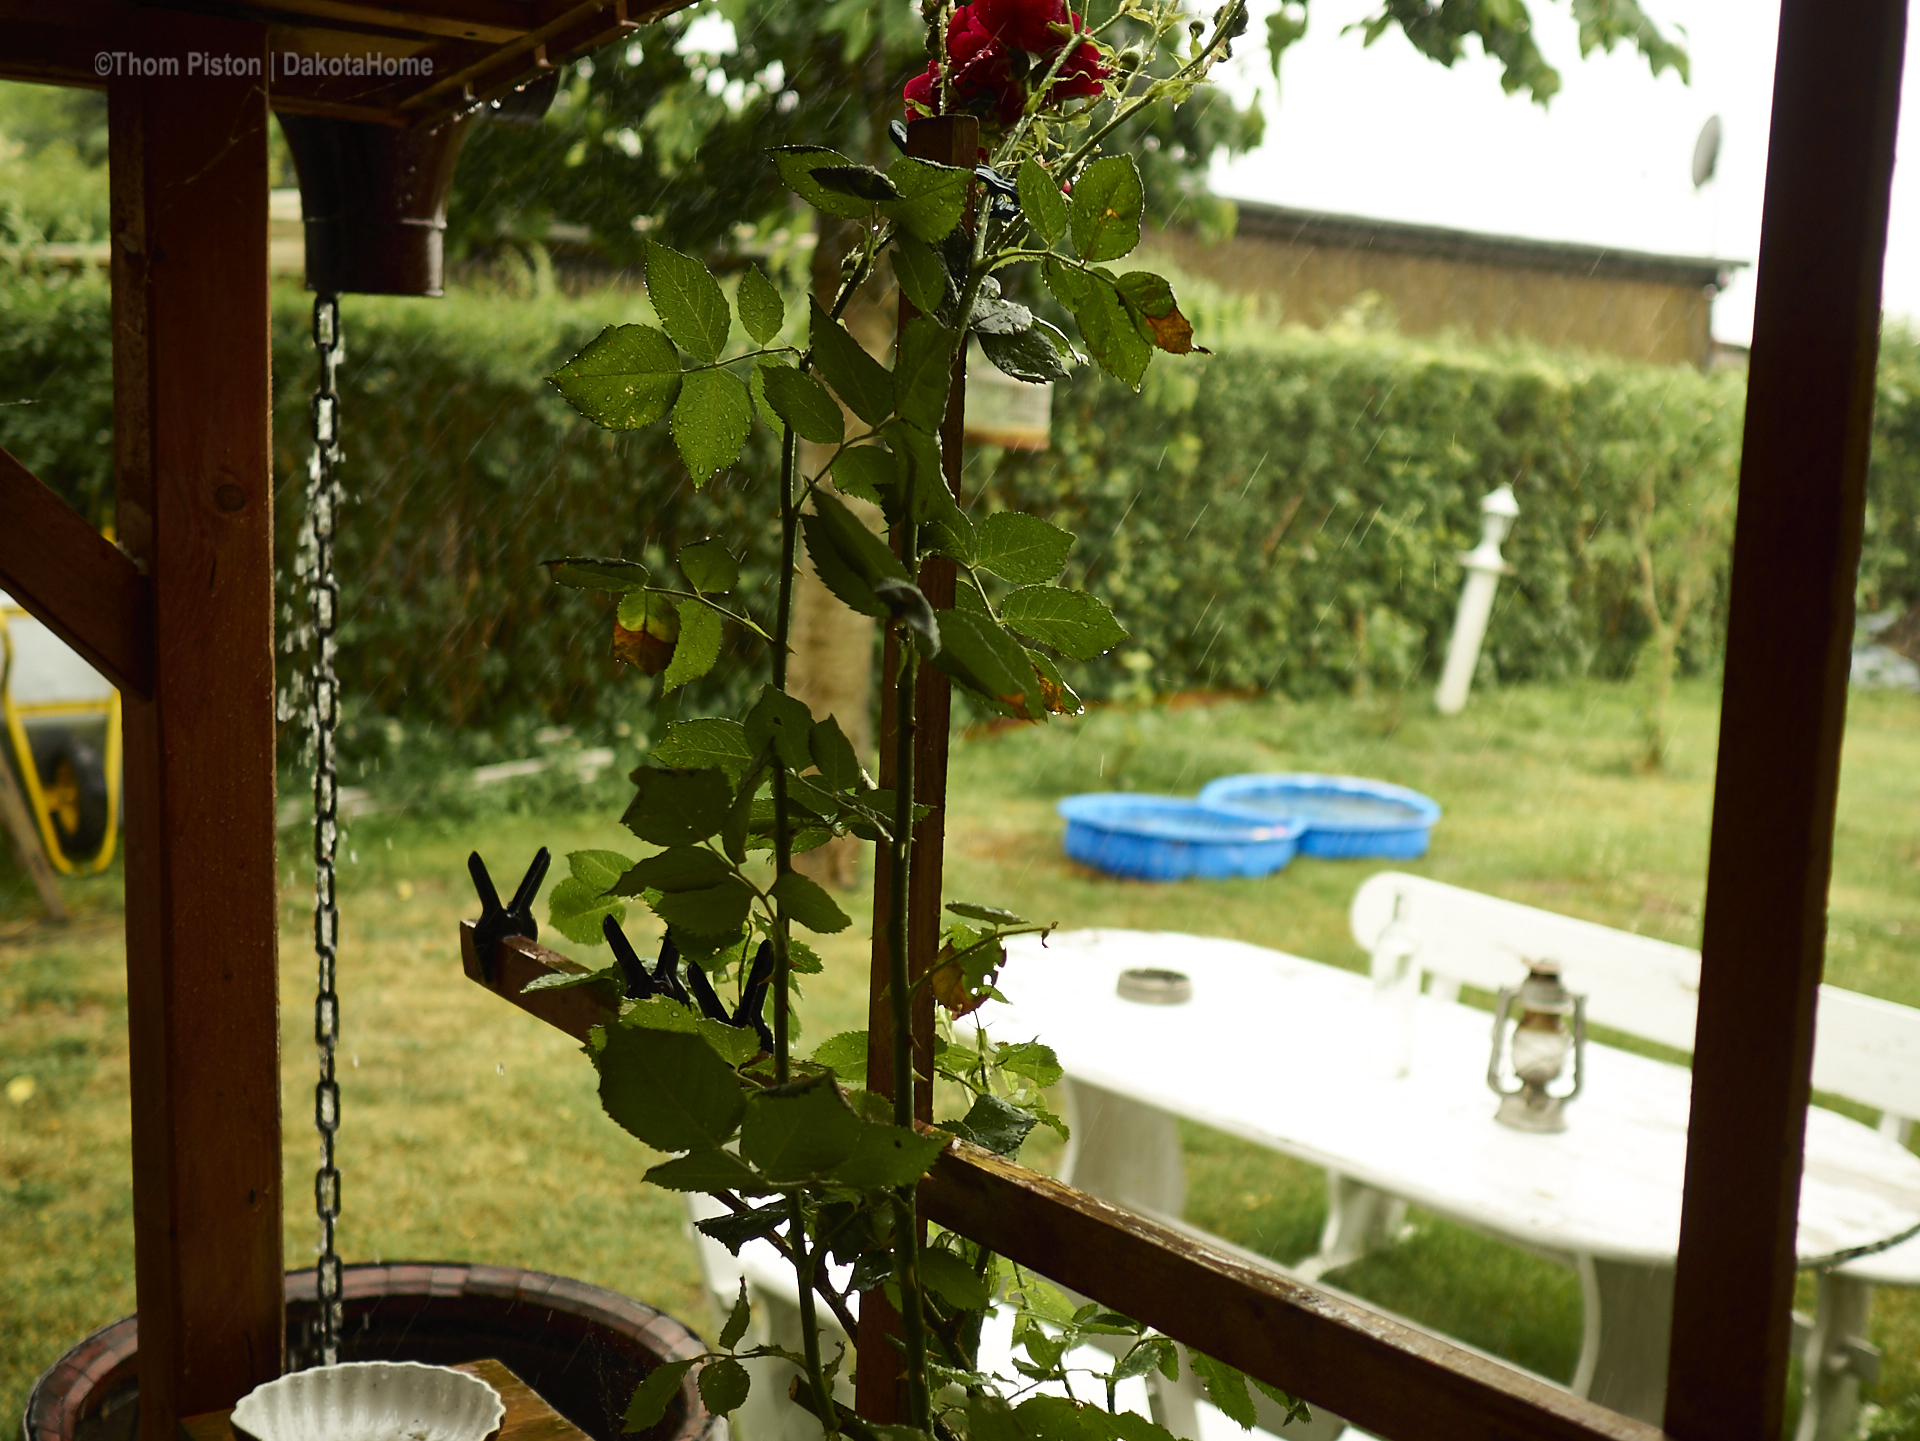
<point x="950" y="140"/>
<point x="26" y="842"/>
<point x="1789" y="631"/>
<point x="194" y="507"/>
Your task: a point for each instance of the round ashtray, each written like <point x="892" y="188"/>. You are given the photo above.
<point x="371" y="1401"/>
<point x="1151" y="986"/>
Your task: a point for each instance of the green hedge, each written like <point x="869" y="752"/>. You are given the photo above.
<point x="1286" y="513"/>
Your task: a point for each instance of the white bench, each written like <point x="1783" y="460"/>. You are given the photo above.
<point x="1865" y="1050"/>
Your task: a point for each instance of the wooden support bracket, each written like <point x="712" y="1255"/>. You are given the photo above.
<point x="73" y="579"/>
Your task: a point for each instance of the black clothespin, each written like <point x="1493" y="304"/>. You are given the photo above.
<point x="897" y="132"/>
<point x="753" y="1000"/>
<point x="702" y="989"/>
<point x="996" y="182"/>
<point x="666" y="972"/>
<point x="639" y="984"/>
<point x="497" y="922"/>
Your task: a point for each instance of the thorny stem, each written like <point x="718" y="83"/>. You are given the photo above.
<point x="805" y="1263"/>
<point x="782" y="835"/>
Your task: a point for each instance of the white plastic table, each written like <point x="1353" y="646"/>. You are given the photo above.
<point x="1276" y="1050"/>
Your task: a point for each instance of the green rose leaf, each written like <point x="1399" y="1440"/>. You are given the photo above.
<point x="1028" y="355"/>
<point x="806" y="902"/>
<point x="710" y="421"/>
<point x="737" y="1319"/>
<point x="1108" y="327"/>
<point x="1150" y="298"/>
<point x="1021" y="548"/>
<point x="1055" y="694"/>
<point x="669" y="1089"/>
<point x="707" y="1171"/>
<point x="724" y="1384"/>
<point x="869" y="472"/>
<point x="992" y="915"/>
<point x="736" y="1045"/>
<point x="709" y="566"/>
<point x="574" y="909"/>
<point x="921" y="273"/>
<point x="923" y="372"/>
<point x="653" y="1395"/>
<point x="701" y="631"/>
<point x="706" y="742"/>
<point x="850" y="558"/>
<point x="762" y="311"/>
<point x="625" y="379"/>
<point x="589" y="573"/>
<point x="885" y="1157"/>
<point x="677" y="868"/>
<point x="803" y="403"/>
<point x="988" y="661"/>
<point x="1041" y="202"/>
<point x="783" y="719"/>
<point x="795" y="1132"/>
<point x="1226" y="1388"/>
<point x="833" y="753"/>
<point x="598" y="868"/>
<point x="953" y="1280"/>
<point x="932" y="197"/>
<point x="845" y="1055"/>
<point x="993" y="1123"/>
<point x="678" y="807"/>
<point x="796" y="164"/>
<point x="1071" y="621"/>
<point x="1105" y="209"/>
<point x="856" y="377"/>
<point x="862" y="182"/>
<point x="688" y="301"/>
<point x="713" y="911"/>
<point x="1032" y="1060"/>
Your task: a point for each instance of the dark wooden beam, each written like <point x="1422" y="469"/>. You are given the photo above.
<point x="1789" y="635"/>
<point x="74" y="580"/>
<point x="188" y="163"/>
<point x="1377" y="1372"/>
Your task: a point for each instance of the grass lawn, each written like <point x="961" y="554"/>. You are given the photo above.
<point x="471" y="1131"/>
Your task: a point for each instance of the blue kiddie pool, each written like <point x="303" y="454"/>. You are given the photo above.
<point x="1345" y="817"/>
<point x="1171" y="838"/>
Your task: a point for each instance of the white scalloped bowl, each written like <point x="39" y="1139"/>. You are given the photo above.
<point x="371" y="1401"/>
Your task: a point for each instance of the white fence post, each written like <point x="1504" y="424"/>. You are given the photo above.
<point x="1484" y="569"/>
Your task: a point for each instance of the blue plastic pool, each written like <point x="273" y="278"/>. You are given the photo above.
<point x="1346" y="817"/>
<point x="1171" y="838"/>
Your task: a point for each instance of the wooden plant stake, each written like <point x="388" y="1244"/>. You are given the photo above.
<point x="26" y="844"/>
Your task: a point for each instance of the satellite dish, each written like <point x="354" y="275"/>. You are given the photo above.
<point x="1706" y="151"/>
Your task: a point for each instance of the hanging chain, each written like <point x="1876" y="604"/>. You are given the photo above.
<point x="323" y="599"/>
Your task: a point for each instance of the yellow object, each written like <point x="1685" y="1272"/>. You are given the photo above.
<point x="20" y="1089"/>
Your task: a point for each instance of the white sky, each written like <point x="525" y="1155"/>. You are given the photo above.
<point x="1384" y="132"/>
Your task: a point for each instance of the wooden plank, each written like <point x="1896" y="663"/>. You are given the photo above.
<point x="1790" y="624"/>
<point x="18" y="820"/>
<point x="1379" y="1373"/>
<point x="527" y="1418"/>
<point x="71" y="577"/>
<point x="194" y="487"/>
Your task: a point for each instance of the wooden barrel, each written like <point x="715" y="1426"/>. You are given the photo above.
<point x="582" y="1348"/>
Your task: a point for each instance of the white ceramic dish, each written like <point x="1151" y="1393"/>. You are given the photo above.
<point x="371" y="1401"/>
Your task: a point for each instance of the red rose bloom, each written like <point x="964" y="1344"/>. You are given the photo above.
<point x="919" y="91"/>
<point x="1025" y="23"/>
<point x="980" y="72"/>
<point x="1082" y="73"/>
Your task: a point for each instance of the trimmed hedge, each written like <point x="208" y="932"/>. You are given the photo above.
<point x="1287" y="513"/>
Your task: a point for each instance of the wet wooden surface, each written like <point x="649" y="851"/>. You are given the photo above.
<point x="528" y="1417"/>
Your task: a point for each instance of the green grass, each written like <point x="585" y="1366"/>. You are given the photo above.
<point x="473" y="1132"/>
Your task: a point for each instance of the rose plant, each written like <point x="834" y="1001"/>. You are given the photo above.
<point x="797" y="1149"/>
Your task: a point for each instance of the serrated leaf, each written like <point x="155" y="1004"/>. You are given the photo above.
<point x="848" y="557"/>
<point x="992" y="915"/>
<point x="654" y="1394"/>
<point x="953" y="1280"/>
<point x="796" y="1132"/>
<point x="574" y="909"/>
<point x="803" y="403"/>
<point x="885" y="1157"/>
<point x="796" y="164"/>
<point x="923" y="372"/>
<point x="733" y="1044"/>
<point x="735" y="1228"/>
<point x="762" y="310"/>
<point x="1071" y="621"/>
<point x="1105" y="209"/>
<point x="845" y="1055"/>
<point x="646" y="629"/>
<point x="678" y="807"/>
<point x="701" y="631"/>
<point x="710" y="421"/>
<point x="933" y="197"/>
<point x="625" y="379"/>
<point x="998" y="1125"/>
<point x="806" y="902"/>
<point x="862" y="182"/>
<point x="715" y="910"/>
<point x="707" y="741"/>
<point x="757" y="391"/>
<point x="1032" y="1060"/>
<point x="782" y="718"/>
<point x="1106" y="325"/>
<point x="669" y="1089"/>
<point x="707" y="1171"/>
<point x="738" y="1319"/>
<point x="1055" y="694"/>
<point x="709" y="566"/>
<point x="677" y="868"/>
<point x="833" y="753"/>
<point x="1021" y="548"/>
<point x="1151" y="298"/>
<point x="856" y="377"/>
<point x="984" y="658"/>
<point x="689" y="302"/>
<point x="584" y="572"/>
<point x="1027" y="355"/>
<point x="868" y="472"/>
<point x="600" y="869"/>
<point x="921" y="273"/>
<point x="1226" y="1388"/>
<point x="724" y="1385"/>
<point x="1041" y="202"/>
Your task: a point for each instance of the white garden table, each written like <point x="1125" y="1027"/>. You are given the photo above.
<point x="1277" y="1050"/>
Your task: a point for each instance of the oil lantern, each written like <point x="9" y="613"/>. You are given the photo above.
<point x="1552" y="1021"/>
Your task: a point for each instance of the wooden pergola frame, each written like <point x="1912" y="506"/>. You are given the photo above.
<point x="180" y="617"/>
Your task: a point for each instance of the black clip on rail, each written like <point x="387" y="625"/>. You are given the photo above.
<point x="497" y="922"/>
